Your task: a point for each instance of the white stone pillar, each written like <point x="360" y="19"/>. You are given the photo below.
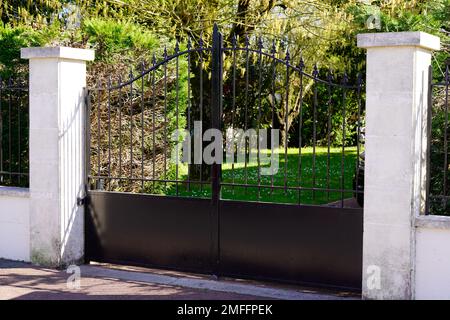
<point x="396" y="109"/>
<point x="57" y="111"/>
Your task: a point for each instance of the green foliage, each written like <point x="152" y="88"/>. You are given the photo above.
<point x="111" y="39"/>
<point x="14" y="38"/>
<point x="412" y="15"/>
<point x="28" y="12"/>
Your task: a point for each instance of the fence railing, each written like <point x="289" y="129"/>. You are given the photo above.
<point x="439" y="170"/>
<point x="14" y="132"/>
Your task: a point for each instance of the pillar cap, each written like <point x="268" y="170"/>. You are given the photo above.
<point x="57" y="52"/>
<point x="399" y="39"/>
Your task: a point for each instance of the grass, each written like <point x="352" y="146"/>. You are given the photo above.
<point x="320" y="178"/>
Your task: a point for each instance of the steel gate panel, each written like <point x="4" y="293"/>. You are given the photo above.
<point x="302" y="244"/>
<point x="148" y="230"/>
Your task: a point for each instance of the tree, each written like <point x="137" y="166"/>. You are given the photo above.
<point x="306" y="28"/>
<point x="321" y="32"/>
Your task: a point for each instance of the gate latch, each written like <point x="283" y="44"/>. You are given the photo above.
<point x="81" y="201"/>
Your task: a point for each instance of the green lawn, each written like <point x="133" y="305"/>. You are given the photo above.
<point x="241" y="174"/>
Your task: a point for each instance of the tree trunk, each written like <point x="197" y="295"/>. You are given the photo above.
<point x="284" y="130"/>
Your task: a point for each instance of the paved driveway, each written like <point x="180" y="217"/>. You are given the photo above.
<point x="24" y="281"/>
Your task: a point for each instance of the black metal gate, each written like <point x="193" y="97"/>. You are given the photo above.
<point x="438" y="173"/>
<point x="297" y="225"/>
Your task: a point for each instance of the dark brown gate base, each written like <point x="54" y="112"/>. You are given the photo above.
<point x="299" y="244"/>
<point x="156" y="231"/>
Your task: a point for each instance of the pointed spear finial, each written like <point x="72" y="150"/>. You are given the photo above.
<point x="233" y="40"/>
<point x="273" y="50"/>
<point x="165" y="52"/>
<point x="177" y="47"/>
<point x="288" y="55"/>
<point x="330" y="75"/>
<point x="154" y="59"/>
<point x="247" y="41"/>
<point x="189" y="43"/>
<point x="260" y="43"/>
<point x="301" y="65"/>
<point x="345" y="78"/>
<point x="359" y="79"/>
<point x="131" y="73"/>
<point x="315" y="71"/>
<point x="447" y="70"/>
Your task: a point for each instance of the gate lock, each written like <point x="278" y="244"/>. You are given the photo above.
<point x="81" y="201"/>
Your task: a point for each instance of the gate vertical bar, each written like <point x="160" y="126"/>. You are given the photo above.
<point x="216" y="112"/>
<point x="87" y="137"/>
<point x="87" y="168"/>
<point x="1" y="130"/>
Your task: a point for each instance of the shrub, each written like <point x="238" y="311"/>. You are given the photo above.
<point x="14" y="38"/>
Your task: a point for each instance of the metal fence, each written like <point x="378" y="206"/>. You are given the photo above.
<point x="245" y="84"/>
<point x="14" y="133"/>
<point x="439" y="170"/>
